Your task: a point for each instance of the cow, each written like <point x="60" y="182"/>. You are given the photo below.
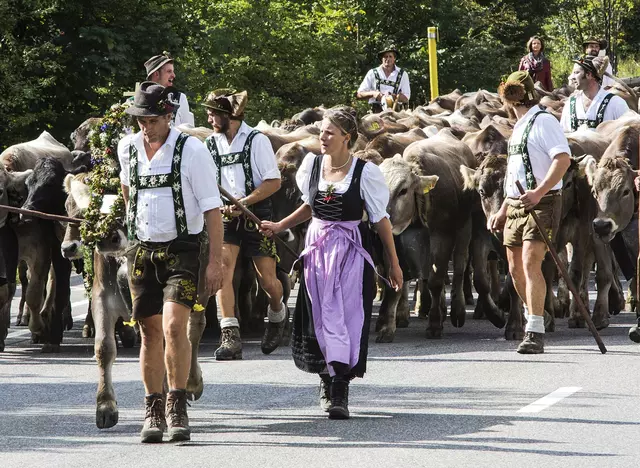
<point x="389" y="144"/>
<point x="310" y="115"/>
<point x="448" y="212"/>
<point x="23" y="156"/>
<point x="486" y="141"/>
<point x="111" y="302"/>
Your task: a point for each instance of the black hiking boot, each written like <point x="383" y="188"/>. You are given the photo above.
<point x="177" y="417"/>
<point x="230" y="345"/>
<point x="533" y="343"/>
<point x="325" y="392"/>
<point x="339" y="398"/>
<point x="273" y="334"/>
<point x="154" y="420"/>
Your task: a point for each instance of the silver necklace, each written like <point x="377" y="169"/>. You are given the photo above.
<point x="333" y="168"/>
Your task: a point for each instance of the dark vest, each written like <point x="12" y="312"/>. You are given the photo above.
<point x="347" y="206"/>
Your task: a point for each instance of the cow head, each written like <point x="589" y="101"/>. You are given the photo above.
<point x="81" y="135"/>
<point x="488" y="181"/>
<point x="408" y="193"/>
<point x="13" y="190"/>
<point x="45" y="188"/>
<point x="77" y="202"/>
<point x="611" y="182"/>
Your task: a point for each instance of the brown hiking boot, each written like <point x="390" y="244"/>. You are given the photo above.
<point x="533" y="343"/>
<point x="177" y="416"/>
<point x="325" y="392"/>
<point x="230" y="345"/>
<point x="273" y="334"/>
<point x="154" y="420"/>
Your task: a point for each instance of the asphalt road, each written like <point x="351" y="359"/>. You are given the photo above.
<point x="467" y="400"/>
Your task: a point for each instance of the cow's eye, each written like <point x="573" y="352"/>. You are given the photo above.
<point x="626" y="192"/>
<point x="402" y="192"/>
<point x="482" y="193"/>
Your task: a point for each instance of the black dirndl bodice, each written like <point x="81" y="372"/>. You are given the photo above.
<point x="347" y="206"/>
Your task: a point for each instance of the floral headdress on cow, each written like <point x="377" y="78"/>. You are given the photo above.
<point x="518" y="89"/>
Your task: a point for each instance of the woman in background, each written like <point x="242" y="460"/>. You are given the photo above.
<point x="537" y="64"/>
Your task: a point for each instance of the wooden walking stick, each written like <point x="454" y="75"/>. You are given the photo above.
<point x="563" y="271"/>
<point x="254" y="218"/>
<point x="39" y="214"/>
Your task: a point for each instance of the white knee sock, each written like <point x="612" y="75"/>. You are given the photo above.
<point x="535" y="324"/>
<point x="229" y="322"/>
<point x="276" y="316"/>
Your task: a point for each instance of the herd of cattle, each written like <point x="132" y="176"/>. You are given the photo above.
<point x="444" y="164"/>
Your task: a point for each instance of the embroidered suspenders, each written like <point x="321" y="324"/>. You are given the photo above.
<point x="172" y="179"/>
<point x="380" y="81"/>
<point x="523" y="149"/>
<point x="242" y="157"/>
<point x="576" y="122"/>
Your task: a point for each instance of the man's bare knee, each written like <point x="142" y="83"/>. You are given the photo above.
<point x="151" y="330"/>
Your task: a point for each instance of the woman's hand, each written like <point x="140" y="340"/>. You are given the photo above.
<point x="395" y="276"/>
<point x="269" y="228"/>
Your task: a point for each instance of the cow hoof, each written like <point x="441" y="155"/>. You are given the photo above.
<point x="423" y="315"/>
<point x="1" y="346"/>
<point x="576" y="323"/>
<point x="87" y="332"/>
<point x="35" y="338"/>
<point x="68" y="323"/>
<point x="195" y="390"/>
<point x="127" y="336"/>
<point x="49" y="348"/>
<point x="513" y="334"/>
<point x="549" y="323"/>
<point x="634" y="334"/>
<point x="379" y="324"/>
<point x="106" y="415"/>
<point x="402" y="323"/>
<point x="495" y="316"/>
<point x="21" y="323"/>
<point x="601" y="324"/>
<point x="434" y="333"/>
<point x="385" y="336"/>
<point x="458" y="316"/>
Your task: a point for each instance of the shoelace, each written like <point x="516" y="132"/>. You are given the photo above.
<point x="227" y="336"/>
<point x="155" y="412"/>
<point x="177" y="411"/>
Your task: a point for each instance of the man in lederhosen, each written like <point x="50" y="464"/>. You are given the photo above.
<point x="166" y="182"/>
<point x="248" y="170"/>
<point x="160" y="70"/>
<point x="597" y="48"/>
<point x="591" y="104"/>
<point x="385" y="85"/>
<point x="538" y="158"/>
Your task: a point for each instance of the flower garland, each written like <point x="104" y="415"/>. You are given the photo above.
<point x="104" y="178"/>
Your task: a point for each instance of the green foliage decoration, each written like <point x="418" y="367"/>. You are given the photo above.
<point x="103" y="179"/>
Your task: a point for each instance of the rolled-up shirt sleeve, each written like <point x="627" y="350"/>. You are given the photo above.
<point x="553" y="141"/>
<point x="304" y="175"/>
<point x="123" y="157"/>
<point x="374" y="192"/>
<point x="202" y="174"/>
<point x="263" y="159"/>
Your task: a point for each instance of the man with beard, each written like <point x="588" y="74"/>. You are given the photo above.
<point x="385" y="85"/>
<point x="538" y="159"/>
<point x="160" y="70"/>
<point x="248" y="170"/>
<point x="594" y="48"/>
<point x="165" y="177"/>
<point x="591" y="104"/>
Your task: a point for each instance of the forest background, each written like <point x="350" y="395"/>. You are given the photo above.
<point x="64" y="61"/>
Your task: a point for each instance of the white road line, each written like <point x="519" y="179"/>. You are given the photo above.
<point x="25" y="332"/>
<point x="549" y="400"/>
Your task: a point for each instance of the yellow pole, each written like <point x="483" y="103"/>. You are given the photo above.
<point x="432" y="34"/>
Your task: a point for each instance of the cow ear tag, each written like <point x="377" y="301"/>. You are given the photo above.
<point x="374" y="126"/>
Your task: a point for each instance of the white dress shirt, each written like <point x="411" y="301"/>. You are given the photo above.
<point x="606" y="81"/>
<point x="616" y="107"/>
<point x="155" y="217"/>
<point x="369" y="84"/>
<point x="183" y="115"/>
<point x="263" y="161"/>
<point x="546" y="141"/>
<point x="373" y="188"/>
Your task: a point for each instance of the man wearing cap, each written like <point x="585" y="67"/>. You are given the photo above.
<point x="596" y="47"/>
<point x="160" y="70"/>
<point x="166" y="182"/>
<point x="386" y="86"/>
<point x="591" y="104"/>
<point x="248" y="170"/>
<point x="538" y="159"/>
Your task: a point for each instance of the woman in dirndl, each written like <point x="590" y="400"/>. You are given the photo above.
<point x="333" y="310"/>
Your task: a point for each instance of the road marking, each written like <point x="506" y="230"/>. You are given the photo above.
<point x="26" y="332"/>
<point x="549" y="400"/>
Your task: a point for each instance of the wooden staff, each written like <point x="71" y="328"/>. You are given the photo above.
<point x="254" y="218"/>
<point x="39" y="214"/>
<point x="563" y="271"/>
